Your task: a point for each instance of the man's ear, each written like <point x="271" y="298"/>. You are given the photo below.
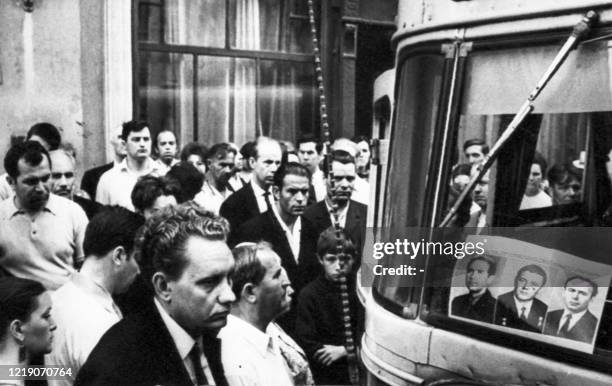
<point x="249" y="293"/>
<point x="161" y="286"/>
<point x="276" y="192"/>
<point x="119" y="255"/>
<point x="252" y="162"/>
<point x="10" y="180"/>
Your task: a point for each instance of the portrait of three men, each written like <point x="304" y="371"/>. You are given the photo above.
<point x="521" y="309"/>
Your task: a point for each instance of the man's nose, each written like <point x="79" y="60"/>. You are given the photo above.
<point x="227" y="295"/>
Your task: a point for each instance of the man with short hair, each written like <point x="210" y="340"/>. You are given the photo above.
<point x="91" y="177"/>
<point x="184" y="258"/>
<point x="351" y="214"/>
<point x="475" y="150"/>
<point x="151" y="194"/>
<point x="63" y="173"/>
<point x="115" y="186"/>
<point x="520" y="308"/>
<point x="44" y="133"/>
<point x="165" y="147"/>
<point x="361" y="187"/>
<point x="309" y="152"/>
<point x="477" y="304"/>
<point x="83" y="308"/>
<point x="252" y="345"/>
<point x="574" y="321"/>
<point x="41" y="234"/>
<point x="565" y="184"/>
<point x="255" y="197"/>
<point x="219" y="166"/>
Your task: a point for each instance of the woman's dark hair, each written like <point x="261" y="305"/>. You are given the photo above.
<point x="17" y="300"/>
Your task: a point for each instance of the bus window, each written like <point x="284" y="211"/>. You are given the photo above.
<point x="553" y="172"/>
<point x="411" y="144"/>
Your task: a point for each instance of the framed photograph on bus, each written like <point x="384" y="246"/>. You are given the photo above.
<point x="529" y="290"/>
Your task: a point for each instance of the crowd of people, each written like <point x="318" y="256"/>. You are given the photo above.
<point x="209" y="265"/>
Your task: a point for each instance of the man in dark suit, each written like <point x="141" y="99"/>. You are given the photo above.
<point x="255" y="197"/>
<point x="520" y="308"/>
<point x="478" y="303"/>
<point x="575" y="321"/>
<point x="292" y="237"/>
<point x="351" y="214"/>
<point x="89" y="182"/>
<point x="185" y="259"/>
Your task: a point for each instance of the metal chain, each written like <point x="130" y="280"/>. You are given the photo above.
<point x="349" y="341"/>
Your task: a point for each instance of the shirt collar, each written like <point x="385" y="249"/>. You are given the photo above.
<point x="150" y="166"/>
<point x="257" y="189"/>
<point x="88" y="285"/>
<point x="262" y="341"/>
<point x="575" y="316"/>
<point x="51" y="206"/>
<point x="183" y="341"/>
<point x="296" y="226"/>
<point x="519" y="305"/>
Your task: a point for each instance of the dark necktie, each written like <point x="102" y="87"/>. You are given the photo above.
<point x="194" y="356"/>
<point x="267" y="198"/>
<point x="523" y="316"/>
<point x="564" y="331"/>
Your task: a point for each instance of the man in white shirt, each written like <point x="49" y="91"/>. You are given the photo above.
<point x="219" y="166"/>
<point x="309" y="152"/>
<point x="83" y="308"/>
<point x="184" y="258"/>
<point x="41" y="234"/>
<point x="250" y="345"/>
<point x="115" y="186"/>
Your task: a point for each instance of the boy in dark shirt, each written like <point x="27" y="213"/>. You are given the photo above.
<point x="320" y="325"/>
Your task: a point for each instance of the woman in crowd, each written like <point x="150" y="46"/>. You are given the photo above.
<point x="26" y="326"/>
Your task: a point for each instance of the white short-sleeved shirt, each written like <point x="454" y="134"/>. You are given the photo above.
<point x="116" y="185"/>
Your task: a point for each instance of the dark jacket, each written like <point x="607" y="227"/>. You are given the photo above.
<point x="482" y="310"/>
<point x="320" y="322"/>
<point x="89" y="182"/>
<point x="583" y="330"/>
<point x="139" y="350"/>
<point x="355" y="221"/>
<point x="238" y="209"/>
<point x="507" y="315"/>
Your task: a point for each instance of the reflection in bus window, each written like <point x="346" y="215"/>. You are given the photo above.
<point x="555" y="171"/>
<point x="411" y="145"/>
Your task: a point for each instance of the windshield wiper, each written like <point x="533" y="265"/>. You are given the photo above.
<point x="578" y="33"/>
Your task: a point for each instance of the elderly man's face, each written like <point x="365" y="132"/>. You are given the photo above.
<point x="62" y="174"/>
<point x="201" y="297"/>
<point x="32" y="185"/>
<point x="274" y="292"/>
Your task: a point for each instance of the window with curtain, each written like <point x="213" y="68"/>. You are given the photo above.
<point x="225" y="70"/>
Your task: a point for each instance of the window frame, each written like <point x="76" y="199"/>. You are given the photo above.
<point x="194" y="52"/>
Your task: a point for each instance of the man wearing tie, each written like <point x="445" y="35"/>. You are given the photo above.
<point x="574" y="321"/>
<point x="520" y="308"/>
<point x="255" y="197"/>
<point x="184" y="258"/>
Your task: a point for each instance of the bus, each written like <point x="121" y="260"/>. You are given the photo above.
<point x="529" y="84"/>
